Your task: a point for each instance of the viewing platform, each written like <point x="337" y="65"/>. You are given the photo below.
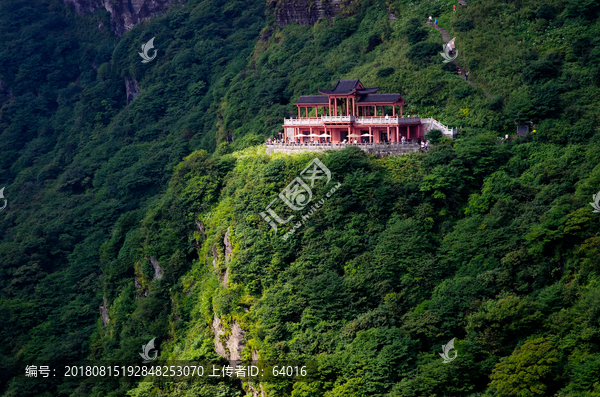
<point x="352" y="113"/>
<point x="324" y="120"/>
<point x="378" y="149"/>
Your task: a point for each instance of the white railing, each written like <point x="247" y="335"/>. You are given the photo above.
<point x="428" y="123"/>
<point x="433" y="124"/>
<point x="408" y="143"/>
<point x="302" y="121"/>
<point x="338" y="119"/>
<point x="377" y="120"/>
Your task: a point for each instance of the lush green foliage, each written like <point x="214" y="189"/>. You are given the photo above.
<point x="494" y="244"/>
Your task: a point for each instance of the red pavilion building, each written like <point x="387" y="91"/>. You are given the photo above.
<point x="351" y="112"/>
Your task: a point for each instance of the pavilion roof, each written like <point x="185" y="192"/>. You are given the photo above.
<point x="368" y="91"/>
<point x="312" y="100"/>
<point x="380" y="98"/>
<point x="345" y="87"/>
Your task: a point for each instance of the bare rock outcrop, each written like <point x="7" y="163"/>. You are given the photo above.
<point x="215" y="257"/>
<point x="132" y="88"/>
<point x="158" y="273"/>
<point x="228" y="247"/>
<point x="234" y="344"/>
<point x="304" y="12"/>
<point x="124" y="14"/>
<point x="200" y="227"/>
<point x="228" y="253"/>
<point x="104" y="313"/>
<point x="255" y="390"/>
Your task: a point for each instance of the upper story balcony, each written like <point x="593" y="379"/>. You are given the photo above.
<point x="373" y="120"/>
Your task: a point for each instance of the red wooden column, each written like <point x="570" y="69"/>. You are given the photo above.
<point x="298" y="111"/>
<point x="400" y="110"/>
<point x="388" y="132"/>
<point x="348" y="106"/>
<point x="393" y="110"/>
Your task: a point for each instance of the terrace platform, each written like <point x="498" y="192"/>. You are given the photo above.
<point x="378" y="149"/>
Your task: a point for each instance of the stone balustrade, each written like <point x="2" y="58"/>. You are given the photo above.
<point x="378" y="149"/>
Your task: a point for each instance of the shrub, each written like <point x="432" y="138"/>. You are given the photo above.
<point x="434" y="136"/>
<point x="462" y="93"/>
<point x="414" y="31"/>
<point x="547" y="102"/>
<point x="539" y="71"/>
<point x="416" y="35"/>
<point x="385" y="72"/>
<point x="373" y="41"/>
<point x="464" y="25"/>
<point x="422" y="51"/>
<point x="545" y="11"/>
<point x="449" y="67"/>
<point x="496" y="103"/>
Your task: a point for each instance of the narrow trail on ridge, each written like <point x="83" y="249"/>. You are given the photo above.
<point x="446" y="38"/>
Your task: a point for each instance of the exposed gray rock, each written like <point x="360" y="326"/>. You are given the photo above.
<point x="83" y="6"/>
<point x="215" y="256"/>
<point x="158" y="274"/>
<point x="218" y="331"/>
<point x="255" y="390"/>
<point x="228" y="246"/>
<point x="233" y="345"/>
<point x="228" y="252"/>
<point x="225" y="278"/>
<point x="132" y="88"/>
<point x="104" y="312"/>
<point x="200" y="227"/>
<point x="124" y="14"/>
<point x="305" y="12"/>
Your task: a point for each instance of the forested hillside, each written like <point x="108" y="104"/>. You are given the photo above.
<point x="113" y="167"/>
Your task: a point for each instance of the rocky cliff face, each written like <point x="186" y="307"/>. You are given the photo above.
<point x="304" y="12"/>
<point x="125" y="14"/>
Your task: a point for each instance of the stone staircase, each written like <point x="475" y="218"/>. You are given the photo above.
<point x="432" y="124"/>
